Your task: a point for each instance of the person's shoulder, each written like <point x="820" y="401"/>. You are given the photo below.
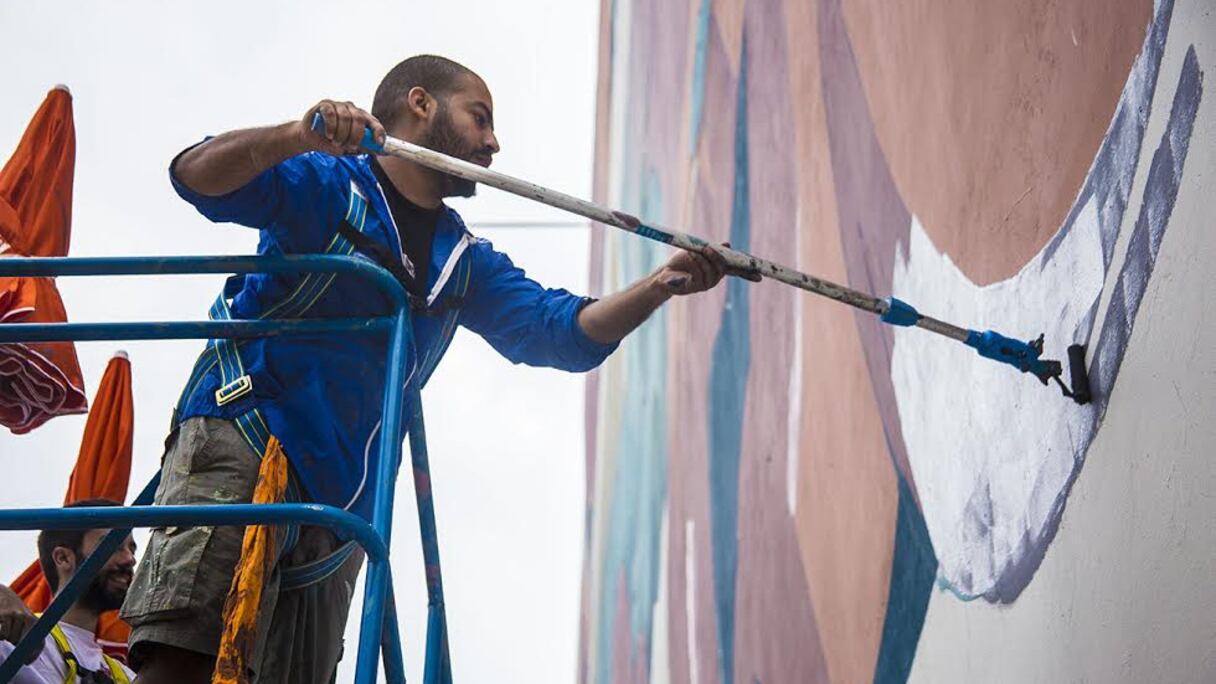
<point x="320" y="166"/>
<point x="47" y="668"/>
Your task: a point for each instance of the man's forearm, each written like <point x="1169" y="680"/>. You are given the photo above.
<point x="228" y="162"/>
<point x="610" y="319"/>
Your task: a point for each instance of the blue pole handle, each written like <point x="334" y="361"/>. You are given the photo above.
<point x="368" y="143"/>
<point x="900" y="313"/>
<point x="1023" y="356"/>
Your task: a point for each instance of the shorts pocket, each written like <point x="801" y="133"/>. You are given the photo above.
<point x="171" y="580"/>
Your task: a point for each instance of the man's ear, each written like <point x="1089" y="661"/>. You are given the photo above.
<point x="65" y="560"/>
<point x="420" y="102"/>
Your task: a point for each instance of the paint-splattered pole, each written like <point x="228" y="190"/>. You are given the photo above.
<point x="1021" y="355"/>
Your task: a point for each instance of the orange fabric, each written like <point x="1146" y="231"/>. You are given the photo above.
<point x="259" y="549"/>
<point x="38" y="381"/>
<point x="103" y="470"/>
<point x="103" y="465"/>
<point x="36" y="183"/>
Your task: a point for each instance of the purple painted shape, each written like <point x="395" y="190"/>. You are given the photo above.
<point x="776" y="637"/>
<point x="873" y="218"/>
<point x="1160" y="191"/>
<point x="662" y="30"/>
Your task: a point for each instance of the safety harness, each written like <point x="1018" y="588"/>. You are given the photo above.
<point x="76" y="675"/>
<point x="237" y="383"/>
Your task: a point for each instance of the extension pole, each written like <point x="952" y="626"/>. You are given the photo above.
<point x="1022" y="355"/>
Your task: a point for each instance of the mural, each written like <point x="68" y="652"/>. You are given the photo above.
<point x="777" y="484"/>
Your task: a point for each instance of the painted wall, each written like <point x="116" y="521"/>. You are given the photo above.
<point x="783" y="490"/>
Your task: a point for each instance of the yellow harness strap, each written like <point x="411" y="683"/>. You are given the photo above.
<point x="65" y="649"/>
<point x="258" y="555"/>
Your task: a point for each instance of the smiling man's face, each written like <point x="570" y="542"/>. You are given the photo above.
<point x="109" y="588"/>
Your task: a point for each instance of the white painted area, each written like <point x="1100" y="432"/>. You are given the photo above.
<point x="690" y="599"/>
<point x="991" y="450"/>
<point x="993" y="453"/>
<point x="1127" y="591"/>
<point x="660" y="654"/>
<point x="506" y="442"/>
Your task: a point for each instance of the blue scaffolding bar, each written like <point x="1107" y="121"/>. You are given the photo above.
<point x="378" y="627"/>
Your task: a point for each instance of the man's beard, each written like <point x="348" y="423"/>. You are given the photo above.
<point x="99" y="596"/>
<point x="443" y="138"/>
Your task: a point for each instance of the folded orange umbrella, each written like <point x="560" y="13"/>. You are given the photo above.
<point x="38" y="381"/>
<point x="103" y="470"/>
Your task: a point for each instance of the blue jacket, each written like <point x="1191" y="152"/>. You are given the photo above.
<point x="321" y="395"/>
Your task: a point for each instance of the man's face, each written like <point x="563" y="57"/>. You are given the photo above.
<point x="463" y="127"/>
<point x="109" y="588"/>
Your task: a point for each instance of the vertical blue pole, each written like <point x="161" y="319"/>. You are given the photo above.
<point x="390" y="640"/>
<point x="438" y="668"/>
<point x="374" y="590"/>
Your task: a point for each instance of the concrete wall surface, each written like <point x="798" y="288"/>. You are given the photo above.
<point x="781" y="489"/>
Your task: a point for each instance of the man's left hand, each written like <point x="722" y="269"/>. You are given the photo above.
<point x="688" y="272"/>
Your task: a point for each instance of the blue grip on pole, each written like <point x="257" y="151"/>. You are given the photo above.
<point x="1023" y="356"/>
<point x="900" y="313"/>
<point x="368" y="142"/>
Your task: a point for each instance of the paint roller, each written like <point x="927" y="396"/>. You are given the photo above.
<point x="1024" y="356"/>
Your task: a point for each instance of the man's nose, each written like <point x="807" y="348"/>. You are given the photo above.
<point x="492" y="143"/>
<point x="124" y="557"/>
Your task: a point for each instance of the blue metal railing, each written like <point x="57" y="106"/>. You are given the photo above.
<point x="378" y="627"/>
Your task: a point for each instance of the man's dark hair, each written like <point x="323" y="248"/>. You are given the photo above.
<point x="439" y="76"/>
<point x="49" y="540"/>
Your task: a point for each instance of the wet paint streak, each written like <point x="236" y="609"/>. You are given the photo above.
<point x="727" y="393"/>
<point x="873" y="218"/>
<point x="912" y="572"/>
<point x="1160" y="192"/>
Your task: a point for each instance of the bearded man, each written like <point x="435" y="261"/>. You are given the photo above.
<point x="320" y="396"/>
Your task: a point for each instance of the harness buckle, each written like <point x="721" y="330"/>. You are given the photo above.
<point x="234" y="390"/>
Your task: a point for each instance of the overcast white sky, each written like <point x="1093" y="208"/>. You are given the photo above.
<point x="506" y="447"/>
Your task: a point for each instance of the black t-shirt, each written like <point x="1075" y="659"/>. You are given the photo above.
<point x="416" y="225"/>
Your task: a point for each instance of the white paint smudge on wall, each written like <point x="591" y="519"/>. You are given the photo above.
<point x="660" y="660"/>
<point x="690" y="599"/>
<point x="992" y="451"/>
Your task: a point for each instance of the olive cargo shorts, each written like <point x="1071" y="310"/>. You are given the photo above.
<point x="177" y="596"/>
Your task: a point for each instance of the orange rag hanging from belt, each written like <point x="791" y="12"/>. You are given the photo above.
<point x="259" y="549"/>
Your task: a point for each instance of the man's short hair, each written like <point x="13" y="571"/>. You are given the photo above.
<point x="439" y="76"/>
<point x="49" y="540"/>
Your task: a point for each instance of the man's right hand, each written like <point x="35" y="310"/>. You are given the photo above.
<point x="231" y="160"/>
<point x="15" y="618"/>
<point x="344" y="124"/>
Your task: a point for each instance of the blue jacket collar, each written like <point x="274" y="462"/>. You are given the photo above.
<point x="451" y="235"/>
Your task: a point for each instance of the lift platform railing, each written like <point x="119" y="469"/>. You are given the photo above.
<point x="378" y="627"/>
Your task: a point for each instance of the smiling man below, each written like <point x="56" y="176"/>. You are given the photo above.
<point x="71" y="652"/>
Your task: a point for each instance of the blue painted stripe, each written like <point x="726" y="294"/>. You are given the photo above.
<point x="634" y="511"/>
<point x="913" y="568"/>
<point x="727" y="395"/>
